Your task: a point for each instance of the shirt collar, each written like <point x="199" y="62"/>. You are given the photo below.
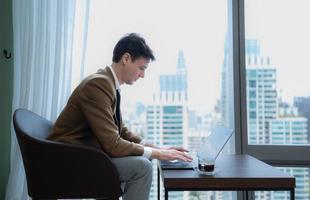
<point x="115" y="78"/>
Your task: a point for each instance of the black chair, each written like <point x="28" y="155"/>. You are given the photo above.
<point x="57" y="170"/>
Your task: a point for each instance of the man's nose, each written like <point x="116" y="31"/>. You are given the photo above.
<point x="142" y="74"/>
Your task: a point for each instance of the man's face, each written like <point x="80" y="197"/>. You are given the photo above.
<point x="133" y="70"/>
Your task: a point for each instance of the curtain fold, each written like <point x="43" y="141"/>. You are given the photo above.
<point x="46" y="34"/>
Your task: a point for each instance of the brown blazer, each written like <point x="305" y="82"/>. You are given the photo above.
<point x="87" y="118"/>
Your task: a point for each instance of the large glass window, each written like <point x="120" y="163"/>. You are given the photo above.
<point x="276" y="54"/>
<point x="277" y="44"/>
<point x="188" y="89"/>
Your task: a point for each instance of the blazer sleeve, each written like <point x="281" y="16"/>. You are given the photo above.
<point x="95" y="101"/>
<point x="128" y="135"/>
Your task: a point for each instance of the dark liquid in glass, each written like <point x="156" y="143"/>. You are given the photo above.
<point x="206" y="167"/>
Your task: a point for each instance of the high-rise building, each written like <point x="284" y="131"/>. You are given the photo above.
<point x="226" y="104"/>
<point x="262" y="101"/>
<point x="288" y="130"/>
<point x="167" y="116"/>
<point x="303" y="106"/>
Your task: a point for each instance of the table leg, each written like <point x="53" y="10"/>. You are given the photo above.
<point x="249" y="195"/>
<point x="158" y="184"/>
<point x="166" y="194"/>
<point x="292" y="194"/>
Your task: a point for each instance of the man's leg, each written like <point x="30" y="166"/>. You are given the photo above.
<point x="136" y="174"/>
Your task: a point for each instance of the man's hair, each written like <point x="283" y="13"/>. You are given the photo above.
<point x="133" y="44"/>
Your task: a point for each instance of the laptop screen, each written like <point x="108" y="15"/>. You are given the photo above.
<point x="215" y="142"/>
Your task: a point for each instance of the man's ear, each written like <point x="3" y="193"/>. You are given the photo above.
<point x="126" y="58"/>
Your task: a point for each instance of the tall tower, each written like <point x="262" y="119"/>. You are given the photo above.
<point x="262" y="101"/>
<point x="227" y="89"/>
<point x="173" y="87"/>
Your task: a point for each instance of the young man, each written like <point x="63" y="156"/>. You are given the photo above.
<point x="92" y="117"/>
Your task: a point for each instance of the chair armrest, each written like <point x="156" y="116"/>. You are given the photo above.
<point x="72" y="169"/>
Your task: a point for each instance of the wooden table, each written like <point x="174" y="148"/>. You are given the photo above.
<point x="235" y="173"/>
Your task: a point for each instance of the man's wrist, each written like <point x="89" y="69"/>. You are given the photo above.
<point x="147" y="152"/>
<point x="156" y="153"/>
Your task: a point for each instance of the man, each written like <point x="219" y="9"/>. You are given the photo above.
<point x="92" y="117"/>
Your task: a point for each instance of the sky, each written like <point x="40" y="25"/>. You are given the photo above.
<point x="198" y="28"/>
<point x="283" y="28"/>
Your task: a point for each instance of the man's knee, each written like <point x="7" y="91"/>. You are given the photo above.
<point x="146" y="166"/>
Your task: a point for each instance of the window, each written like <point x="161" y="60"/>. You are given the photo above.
<point x="275" y="55"/>
<point x="188" y="89"/>
<point x="280" y="72"/>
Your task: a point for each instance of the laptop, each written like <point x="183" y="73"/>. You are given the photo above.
<point x="212" y="147"/>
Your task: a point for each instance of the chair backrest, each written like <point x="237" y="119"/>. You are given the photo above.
<point x="31" y="125"/>
<point x="31" y="132"/>
<point x="57" y="170"/>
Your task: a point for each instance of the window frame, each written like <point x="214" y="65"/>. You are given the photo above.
<point x="288" y="155"/>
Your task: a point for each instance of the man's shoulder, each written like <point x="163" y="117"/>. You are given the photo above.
<point x="96" y="85"/>
<point x="104" y="74"/>
<point x="103" y="78"/>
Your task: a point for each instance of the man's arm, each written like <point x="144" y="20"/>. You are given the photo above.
<point x="128" y="135"/>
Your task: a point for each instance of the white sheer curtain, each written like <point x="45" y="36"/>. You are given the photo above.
<point x="46" y="64"/>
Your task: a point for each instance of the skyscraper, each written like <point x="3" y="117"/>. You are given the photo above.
<point x="261" y="103"/>
<point x="303" y="106"/>
<point x="288" y="130"/>
<point x="167" y="116"/>
<point x="261" y="94"/>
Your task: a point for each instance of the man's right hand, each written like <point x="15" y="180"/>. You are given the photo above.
<point x="170" y="154"/>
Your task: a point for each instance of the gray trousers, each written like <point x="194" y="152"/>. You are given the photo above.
<point x="136" y="176"/>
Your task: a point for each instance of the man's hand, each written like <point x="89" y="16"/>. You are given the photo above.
<point x="175" y="148"/>
<point x="170" y="154"/>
